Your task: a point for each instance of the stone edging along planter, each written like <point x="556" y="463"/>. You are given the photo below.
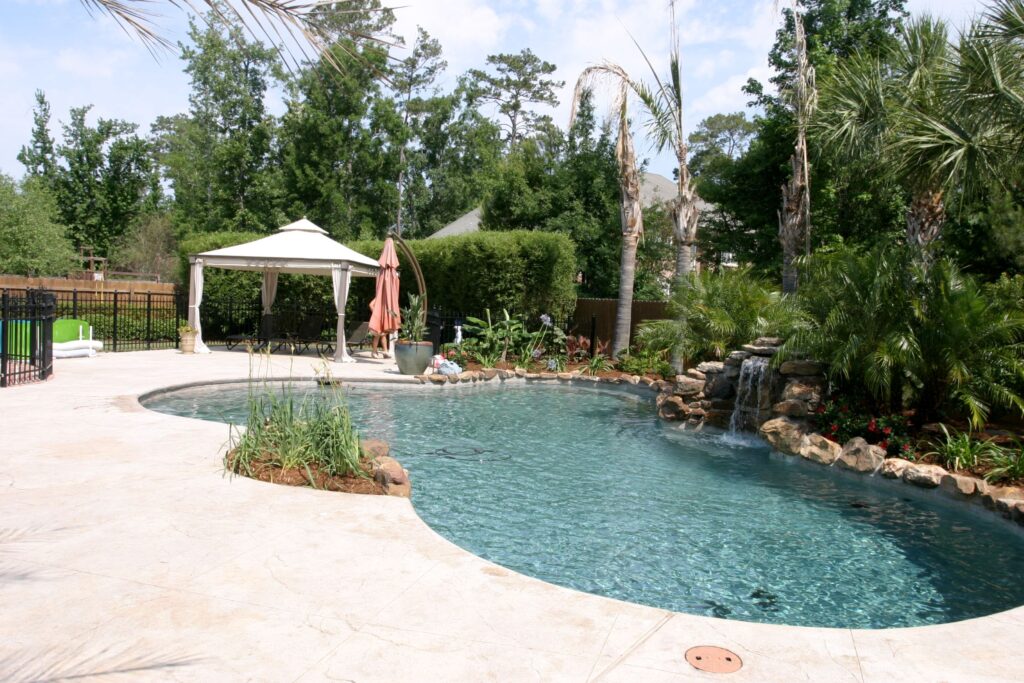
<point x="786" y="434"/>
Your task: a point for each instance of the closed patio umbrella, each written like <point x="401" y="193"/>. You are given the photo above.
<point x="384" y="315"/>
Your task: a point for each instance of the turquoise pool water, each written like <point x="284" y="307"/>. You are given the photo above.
<point x="590" y="490"/>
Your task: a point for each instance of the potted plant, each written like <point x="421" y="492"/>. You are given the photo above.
<point x="188" y="338"/>
<point x="412" y="353"/>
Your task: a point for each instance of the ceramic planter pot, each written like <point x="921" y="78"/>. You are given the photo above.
<point x="413" y="357"/>
<point x="188" y="342"/>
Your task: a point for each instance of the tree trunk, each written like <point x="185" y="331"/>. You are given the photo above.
<point x="632" y="231"/>
<point x="793" y="228"/>
<point x="685" y="215"/>
<point x="925" y="217"/>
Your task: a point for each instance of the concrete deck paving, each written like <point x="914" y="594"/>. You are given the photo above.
<point x="126" y="554"/>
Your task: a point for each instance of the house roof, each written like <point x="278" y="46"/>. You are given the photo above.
<point x="654" y="189"/>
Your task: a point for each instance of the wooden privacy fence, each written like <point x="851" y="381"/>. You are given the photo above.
<point x="604" y="310"/>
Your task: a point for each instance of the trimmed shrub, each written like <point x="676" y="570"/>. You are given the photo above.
<point x="522" y="271"/>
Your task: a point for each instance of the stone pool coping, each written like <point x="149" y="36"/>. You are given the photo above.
<point x="124" y="546"/>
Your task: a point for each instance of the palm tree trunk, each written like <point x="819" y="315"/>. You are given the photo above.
<point x="793" y="216"/>
<point x="685" y="215"/>
<point x="632" y="230"/>
<point x="925" y="217"/>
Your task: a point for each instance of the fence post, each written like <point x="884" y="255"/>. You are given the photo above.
<point x="593" y="334"/>
<point x="74" y="303"/>
<point x="5" y="330"/>
<point x="115" y="322"/>
<point x="149" y="318"/>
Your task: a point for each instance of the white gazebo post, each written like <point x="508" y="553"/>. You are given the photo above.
<point x="341" y="277"/>
<point x="195" y="298"/>
<point x="268" y="290"/>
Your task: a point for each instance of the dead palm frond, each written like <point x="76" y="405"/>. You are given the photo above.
<point x="297" y="25"/>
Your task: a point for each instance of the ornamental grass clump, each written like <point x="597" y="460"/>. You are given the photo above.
<point x="314" y="433"/>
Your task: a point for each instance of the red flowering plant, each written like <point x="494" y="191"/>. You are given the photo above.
<point x="839" y="421"/>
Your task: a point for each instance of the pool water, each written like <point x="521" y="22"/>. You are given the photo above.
<point x="588" y="489"/>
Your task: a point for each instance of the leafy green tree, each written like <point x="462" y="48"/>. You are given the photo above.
<point x="340" y="142"/>
<point x="852" y="202"/>
<point x="412" y="79"/>
<point x="218" y="157"/>
<point x="566" y="184"/>
<point x="32" y="241"/>
<point x="925" y="112"/>
<point x="517" y="81"/>
<point x="104" y="181"/>
<point x="39" y="156"/>
<point x="453" y="165"/>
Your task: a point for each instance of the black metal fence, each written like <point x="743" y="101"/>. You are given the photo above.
<point x="26" y="337"/>
<point x="133" y="321"/>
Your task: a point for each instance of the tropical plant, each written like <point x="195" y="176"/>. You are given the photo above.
<point x="961" y="451"/>
<point x="494" y="338"/>
<point x="598" y="363"/>
<point x="717" y="312"/>
<point x="901" y="334"/>
<point x="1007" y="464"/>
<point x="945" y="120"/>
<point x="414" y="319"/>
<point x="645" y="361"/>
<point x="303" y="23"/>
<point x="486" y="359"/>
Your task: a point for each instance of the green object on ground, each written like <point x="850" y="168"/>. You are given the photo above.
<point x="19" y="337"/>
<point x="68" y="329"/>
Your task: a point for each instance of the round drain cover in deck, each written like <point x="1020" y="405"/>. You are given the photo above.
<point x="716" y="660"/>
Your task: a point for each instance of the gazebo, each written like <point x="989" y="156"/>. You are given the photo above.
<point x="301" y="247"/>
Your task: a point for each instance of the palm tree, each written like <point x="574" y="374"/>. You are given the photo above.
<point x="942" y="117"/>
<point x="664" y="105"/>
<point x="629" y="185"/>
<point x="303" y="23"/>
<point x="795" y="216"/>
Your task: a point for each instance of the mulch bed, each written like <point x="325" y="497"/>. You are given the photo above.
<point x="268" y="472"/>
<point x="571" y="367"/>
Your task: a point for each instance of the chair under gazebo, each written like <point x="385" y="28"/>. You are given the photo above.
<point x="301" y="248"/>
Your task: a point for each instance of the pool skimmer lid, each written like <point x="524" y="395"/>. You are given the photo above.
<point x="715" y="660"/>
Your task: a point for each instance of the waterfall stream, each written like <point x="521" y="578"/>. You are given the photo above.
<point x="748" y="393"/>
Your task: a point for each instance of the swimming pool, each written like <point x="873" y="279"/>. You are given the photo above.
<point x="587" y="489"/>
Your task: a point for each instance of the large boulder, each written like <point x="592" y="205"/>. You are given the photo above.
<point x="673" y="408"/>
<point x="925" y="476"/>
<point x="860" y="456"/>
<point x="758" y="350"/>
<point x="688" y="386"/>
<point x="801" y="367"/>
<point x="718" y="418"/>
<point x="806" y="390"/>
<point x="736" y="358"/>
<point x="719" y="386"/>
<point x="710" y="366"/>
<point x="784" y="434"/>
<point x="893" y="468"/>
<point x="817" y="448"/>
<point x="388" y="471"/>
<point x="961" y="486"/>
<point x="769" y="341"/>
<point x="791" y="408"/>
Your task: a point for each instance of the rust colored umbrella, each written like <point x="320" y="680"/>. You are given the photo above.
<point x="384" y="315"/>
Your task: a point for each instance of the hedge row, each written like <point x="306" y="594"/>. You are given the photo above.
<point x="525" y="272"/>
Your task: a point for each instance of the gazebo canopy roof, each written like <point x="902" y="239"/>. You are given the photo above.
<point x="300" y="247"/>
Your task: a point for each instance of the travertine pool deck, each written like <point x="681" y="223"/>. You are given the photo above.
<point x="126" y="554"/>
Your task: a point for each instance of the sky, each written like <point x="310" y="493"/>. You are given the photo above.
<point x="78" y="59"/>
